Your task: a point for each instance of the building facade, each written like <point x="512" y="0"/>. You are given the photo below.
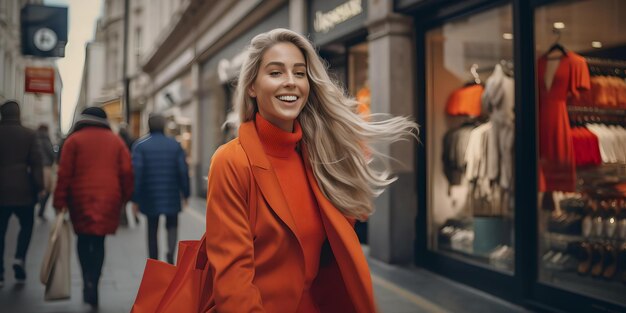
<point x="484" y="198"/>
<point x="37" y="108"/>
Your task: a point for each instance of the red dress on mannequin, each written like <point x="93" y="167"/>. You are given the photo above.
<point x="556" y="152"/>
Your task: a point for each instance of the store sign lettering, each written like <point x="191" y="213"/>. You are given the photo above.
<point x="324" y="22"/>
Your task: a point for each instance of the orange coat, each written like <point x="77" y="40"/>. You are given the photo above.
<point x="262" y="270"/>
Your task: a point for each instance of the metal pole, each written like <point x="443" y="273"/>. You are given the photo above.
<point x="125" y="77"/>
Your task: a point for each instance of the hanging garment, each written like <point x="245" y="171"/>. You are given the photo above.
<point x="621" y="94"/>
<point x="586" y="147"/>
<point x="477" y="157"/>
<point x="498" y="100"/>
<point x="465" y="101"/>
<point x="556" y="154"/>
<point x="606" y="91"/>
<point x="363" y="97"/>
<point x="455" y="143"/>
<point x="603" y="139"/>
<point x="612" y="142"/>
<point x="599" y="91"/>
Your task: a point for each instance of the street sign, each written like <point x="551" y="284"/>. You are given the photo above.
<point x="44" y="30"/>
<point x="39" y="80"/>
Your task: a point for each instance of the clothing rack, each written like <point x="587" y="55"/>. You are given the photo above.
<point x="596" y="110"/>
<point x="606" y="62"/>
<point x="580" y="115"/>
<point x="598" y="66"/>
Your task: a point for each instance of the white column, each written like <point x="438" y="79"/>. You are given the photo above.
<point x="298" y="16"/>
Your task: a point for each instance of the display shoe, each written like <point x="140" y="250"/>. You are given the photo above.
<point x="585" y="255"/>
<point x="597" y="263"/>
<point x="547" y="256"/>
<point x="610" y="261"/>
<point x="20" y="272"/>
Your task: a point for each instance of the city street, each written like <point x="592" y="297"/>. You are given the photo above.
<point x="484" y="142"/>
<point x="397" y="290"/>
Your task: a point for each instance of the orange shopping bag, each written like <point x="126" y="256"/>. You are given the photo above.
<point x="188" y="286"/>
<point x="182" y="288"/>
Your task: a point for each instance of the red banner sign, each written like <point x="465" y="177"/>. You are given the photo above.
<point x="39" y="79"/>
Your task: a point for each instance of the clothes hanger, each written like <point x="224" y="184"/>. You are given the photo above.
<point x="507" y="67"/>
<point x="474" y="72"/>
<point x="556" y="46"/>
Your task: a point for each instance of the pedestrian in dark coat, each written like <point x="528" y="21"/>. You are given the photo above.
<point x="126" y="137"/>
<point x="161" y="182"/>
<point x="21" y="179"/>
<point x="94" y="179"/>
<point x="47" y="158"/>
<point x="128" y="140"/>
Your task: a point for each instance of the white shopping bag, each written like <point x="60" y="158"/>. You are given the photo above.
<point x="130" y="215"/>
<point x="55" y="269"/>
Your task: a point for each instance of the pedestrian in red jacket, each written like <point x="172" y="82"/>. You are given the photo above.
<point x="95" y="177"/>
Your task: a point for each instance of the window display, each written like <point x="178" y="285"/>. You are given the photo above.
<point x="359" y="87"/>
<point x="470" y="138"/>
<point x="180" y="128"/>
<point x="358" y="81"/>
<point x="581" y="97"/>
<point x="348" y="64"/>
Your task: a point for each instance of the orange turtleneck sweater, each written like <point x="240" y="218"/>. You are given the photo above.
<point x="280" y="148"/>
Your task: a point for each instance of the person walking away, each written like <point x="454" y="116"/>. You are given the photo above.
<point x="21" y="179"/>
<point x="126" y="208"/>
<point x="161" y="178"/>
<point x="47" y="157"/>
<point x="94" y="179"/>
<point x="126" y="137"/>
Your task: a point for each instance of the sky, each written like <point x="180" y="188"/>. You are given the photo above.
<point x="82" y="17"/>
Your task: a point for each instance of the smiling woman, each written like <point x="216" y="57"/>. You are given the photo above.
<point x="284" y="195"/>
<point x="281" y="87"/>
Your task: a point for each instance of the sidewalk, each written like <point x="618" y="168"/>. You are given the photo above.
<point x="125" y="257"/>
<point x="397" y="290"/>
<point x="402" y="290"/>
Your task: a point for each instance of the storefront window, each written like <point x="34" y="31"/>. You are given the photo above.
<point x="180" y="129"/>
<point x="470" y="138"/>
<point x="358" y="81"/>
<point x="359" y="87"/>
<point x="348" y="65"/>
<point x="581" y="104"/>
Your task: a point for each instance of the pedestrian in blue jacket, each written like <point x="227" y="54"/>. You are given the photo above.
<point x="161" y="183"/>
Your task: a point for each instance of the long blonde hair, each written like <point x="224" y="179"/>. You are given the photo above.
<point x="337" y="138"/>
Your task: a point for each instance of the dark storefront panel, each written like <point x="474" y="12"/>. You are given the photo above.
<point x="330" y="20"/>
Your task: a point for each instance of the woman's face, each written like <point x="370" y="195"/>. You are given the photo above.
<point x="281" y="87"/>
